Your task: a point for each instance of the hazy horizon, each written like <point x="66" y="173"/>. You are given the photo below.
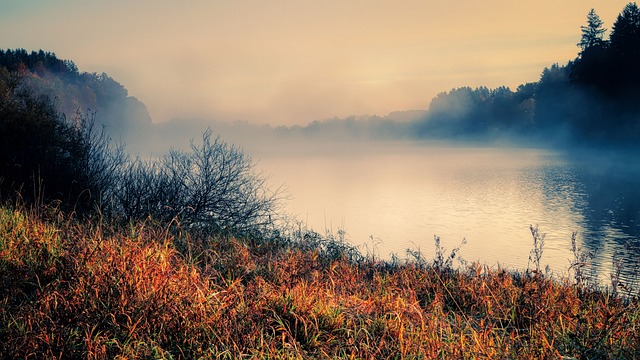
<point x="290" y="63"/>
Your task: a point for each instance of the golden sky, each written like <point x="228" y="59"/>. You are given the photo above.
<point x="292" y="62"/>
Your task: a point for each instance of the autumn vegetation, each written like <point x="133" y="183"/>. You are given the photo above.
<point x="87" y="289"/>
<point x="184" y="256"/>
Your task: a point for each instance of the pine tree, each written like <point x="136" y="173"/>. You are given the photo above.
<point x="625" y="37"/>
<point x="593" y="32"/>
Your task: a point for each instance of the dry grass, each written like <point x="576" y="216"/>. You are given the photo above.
<point x="74" y="289"/>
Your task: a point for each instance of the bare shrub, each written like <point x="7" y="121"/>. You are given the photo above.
<point x="213" y="185"/>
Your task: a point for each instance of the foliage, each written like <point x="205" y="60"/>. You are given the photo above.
<point x="43" y="156"/>
<point x="20" y="60"/>
<point x="98" y="95"/>
<point x="162" y="285"/>
<point x="479" y="113"/>
<point x="625" y="37"/>
<point x="80" y="289"/>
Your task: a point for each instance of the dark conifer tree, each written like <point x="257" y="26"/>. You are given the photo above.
<point x="625" y="37"/>
<point x="625" y="49"/>
<point x="593" y="32"/>
<point x="591" y="68"/>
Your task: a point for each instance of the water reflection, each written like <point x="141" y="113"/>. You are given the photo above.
<point x="611" y="225"/>
<point x="404" y="195"/>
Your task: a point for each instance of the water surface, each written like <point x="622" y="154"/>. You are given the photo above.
<point x="393" y="196"/>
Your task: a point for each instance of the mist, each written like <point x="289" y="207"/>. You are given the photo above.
<point x="577" y="127"/>
<point x="96" y="97"/>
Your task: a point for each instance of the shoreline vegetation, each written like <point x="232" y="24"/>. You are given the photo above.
<point x="88" y="288"/>
<point x="186" y="255"/>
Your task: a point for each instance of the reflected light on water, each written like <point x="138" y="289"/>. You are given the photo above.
<point x="404" y="195"/>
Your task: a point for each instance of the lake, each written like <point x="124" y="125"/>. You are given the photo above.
<point x="389" y="197"/>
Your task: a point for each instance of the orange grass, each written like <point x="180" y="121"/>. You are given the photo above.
<point x="72" y="289"/>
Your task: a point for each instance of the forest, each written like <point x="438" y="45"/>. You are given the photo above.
<point x="591" y="101"/>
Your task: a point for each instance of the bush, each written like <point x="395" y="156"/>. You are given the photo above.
<point x="213" y="186"/>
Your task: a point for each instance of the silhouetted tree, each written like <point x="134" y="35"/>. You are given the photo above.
<point x="20" y="59"/>
<point x="625" y="51"/>
<point x="592" y="67"/>
<point x="593" y="32"/>
<point x="593" y="99"/>
<point x="625" y="37"/>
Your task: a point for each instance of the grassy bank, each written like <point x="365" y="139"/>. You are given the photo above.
<point x="83" y="289"/>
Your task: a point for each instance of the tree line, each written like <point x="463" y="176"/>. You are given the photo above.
<point x="593" y="99"/>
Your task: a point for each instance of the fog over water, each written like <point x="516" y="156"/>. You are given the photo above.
<point x="393" y="196"/>
<point x="391" y="192"/>
<point x="542" y="133"/>
<point x="391" y="184"/>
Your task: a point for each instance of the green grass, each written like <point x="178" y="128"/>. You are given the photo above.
<point x="81" y="289"/>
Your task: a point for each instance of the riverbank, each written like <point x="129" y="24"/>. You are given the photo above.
<point x="87" y="289"/>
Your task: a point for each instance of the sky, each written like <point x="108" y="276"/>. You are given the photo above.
<point x="292" y="62"/>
